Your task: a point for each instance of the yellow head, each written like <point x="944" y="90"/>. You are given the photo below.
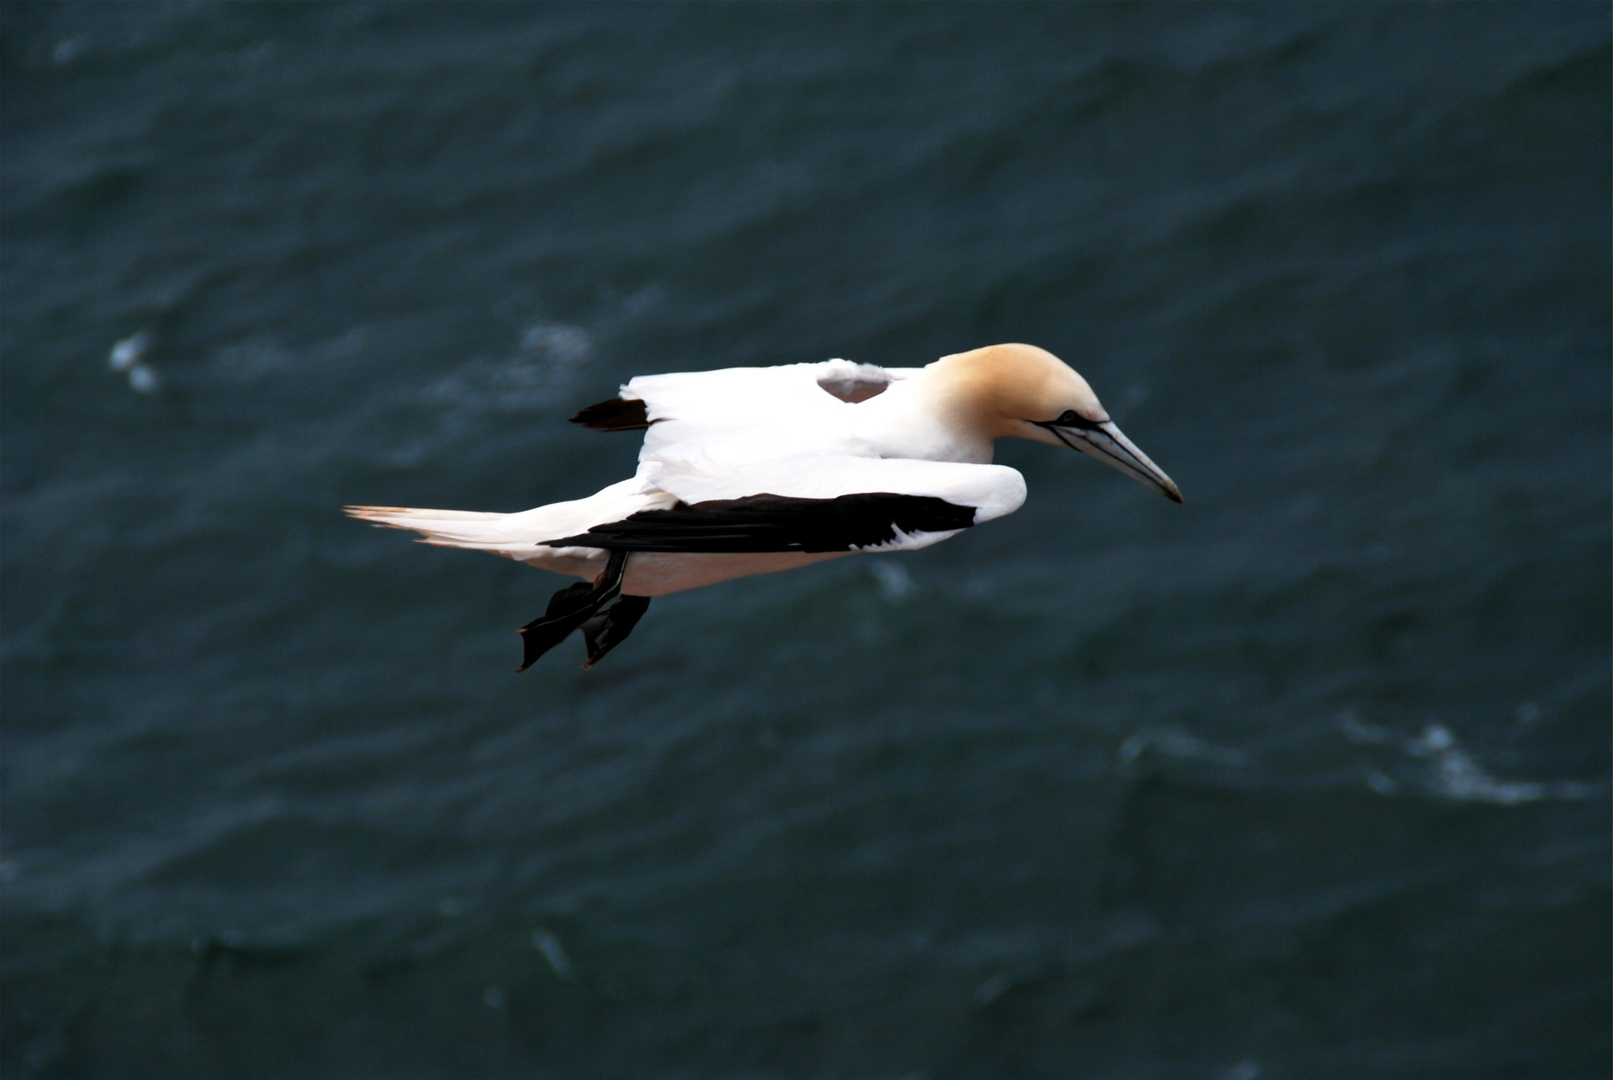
<point x="1026" y="392"/>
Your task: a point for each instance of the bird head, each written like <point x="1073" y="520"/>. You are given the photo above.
<point x="1026" y="392"/>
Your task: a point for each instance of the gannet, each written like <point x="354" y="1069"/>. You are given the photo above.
<point x="755" y="470"/>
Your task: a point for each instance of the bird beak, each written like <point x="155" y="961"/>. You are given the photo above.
<point x="1105" y="442"/>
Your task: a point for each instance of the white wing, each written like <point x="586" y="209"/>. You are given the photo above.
<point x="799" y="406"/>
<point x="741" y="433"/>
<point x="699" y="474"/>
<point x="747" y="460"/>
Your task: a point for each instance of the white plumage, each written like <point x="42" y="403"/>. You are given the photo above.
<point x="753" y="470"/>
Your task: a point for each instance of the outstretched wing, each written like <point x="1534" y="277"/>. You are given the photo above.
<point x="770" y="460"/>
<point x="807" y="504"/>
<point x="768" y="522"/>
<point x="737" y="397"/>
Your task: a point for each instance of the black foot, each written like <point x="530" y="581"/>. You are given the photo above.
<point x="610" y="627"/>
<point x="569" y="609"/>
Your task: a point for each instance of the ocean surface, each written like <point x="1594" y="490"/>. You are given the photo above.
<point x="1306" y="778"/>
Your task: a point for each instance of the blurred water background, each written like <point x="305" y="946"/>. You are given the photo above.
<point x="1306" y="778"/>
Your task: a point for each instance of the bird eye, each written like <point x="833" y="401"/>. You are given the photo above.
<point x="1072" y="419"/>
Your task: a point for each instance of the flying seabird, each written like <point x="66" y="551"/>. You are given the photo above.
<point x="754" y="470"/>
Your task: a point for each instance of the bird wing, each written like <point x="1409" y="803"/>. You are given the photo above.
<point x="775" y="523"/>
<point x="770" y="460"/>
<point x="805" y="404"/>
<point x="808" y="503"/>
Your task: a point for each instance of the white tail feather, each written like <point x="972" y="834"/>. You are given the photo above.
<point x="519" y="536"/>
<point x="453" y="528"/>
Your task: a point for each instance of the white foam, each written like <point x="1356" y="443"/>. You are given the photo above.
<point x="537" y="375"/>
<point x="1177" y="743"/>
<point x="558" y="342"/>
<point x="992" y="989"/>
<point x="143" y="379"/>
<point x="129" y="351"/>
<point x="66" y="51"/>
<point x="549" y="945"/>
<point x="1452" y="772"/>
<point x="1357" y="732"/>
<point x="1457" y="776"/>
<point x="895" y="583"/>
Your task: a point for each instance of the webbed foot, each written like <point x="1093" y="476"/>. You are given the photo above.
<point x="610" y="627"/>
<point x="572" y="607"/>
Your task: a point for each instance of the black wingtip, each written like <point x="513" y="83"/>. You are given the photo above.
<point x="617" y="414"/>
<point x="768" y="522"/>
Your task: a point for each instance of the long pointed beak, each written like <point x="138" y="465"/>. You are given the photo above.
<point x="1105" y="442"/>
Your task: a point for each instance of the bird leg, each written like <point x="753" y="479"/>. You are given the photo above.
<point x="570" y="608"/>
<point x="610" y="627"/>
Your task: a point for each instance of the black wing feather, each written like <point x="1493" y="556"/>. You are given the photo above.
<point x="617" y="414"/>
<point x="776" y="523"/>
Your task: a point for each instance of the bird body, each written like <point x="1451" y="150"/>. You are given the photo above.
<point x="754" y="470"/>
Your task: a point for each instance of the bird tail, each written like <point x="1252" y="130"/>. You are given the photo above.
<point x="525" y="535"/>
<point x="472" y="529"/>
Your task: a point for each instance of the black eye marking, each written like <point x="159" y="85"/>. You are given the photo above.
<point x="1069" y="419"/>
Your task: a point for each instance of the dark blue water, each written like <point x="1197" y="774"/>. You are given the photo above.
<point x="1306" y="778"/>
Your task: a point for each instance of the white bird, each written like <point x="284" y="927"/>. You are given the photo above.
<point x="754" y="470"/>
